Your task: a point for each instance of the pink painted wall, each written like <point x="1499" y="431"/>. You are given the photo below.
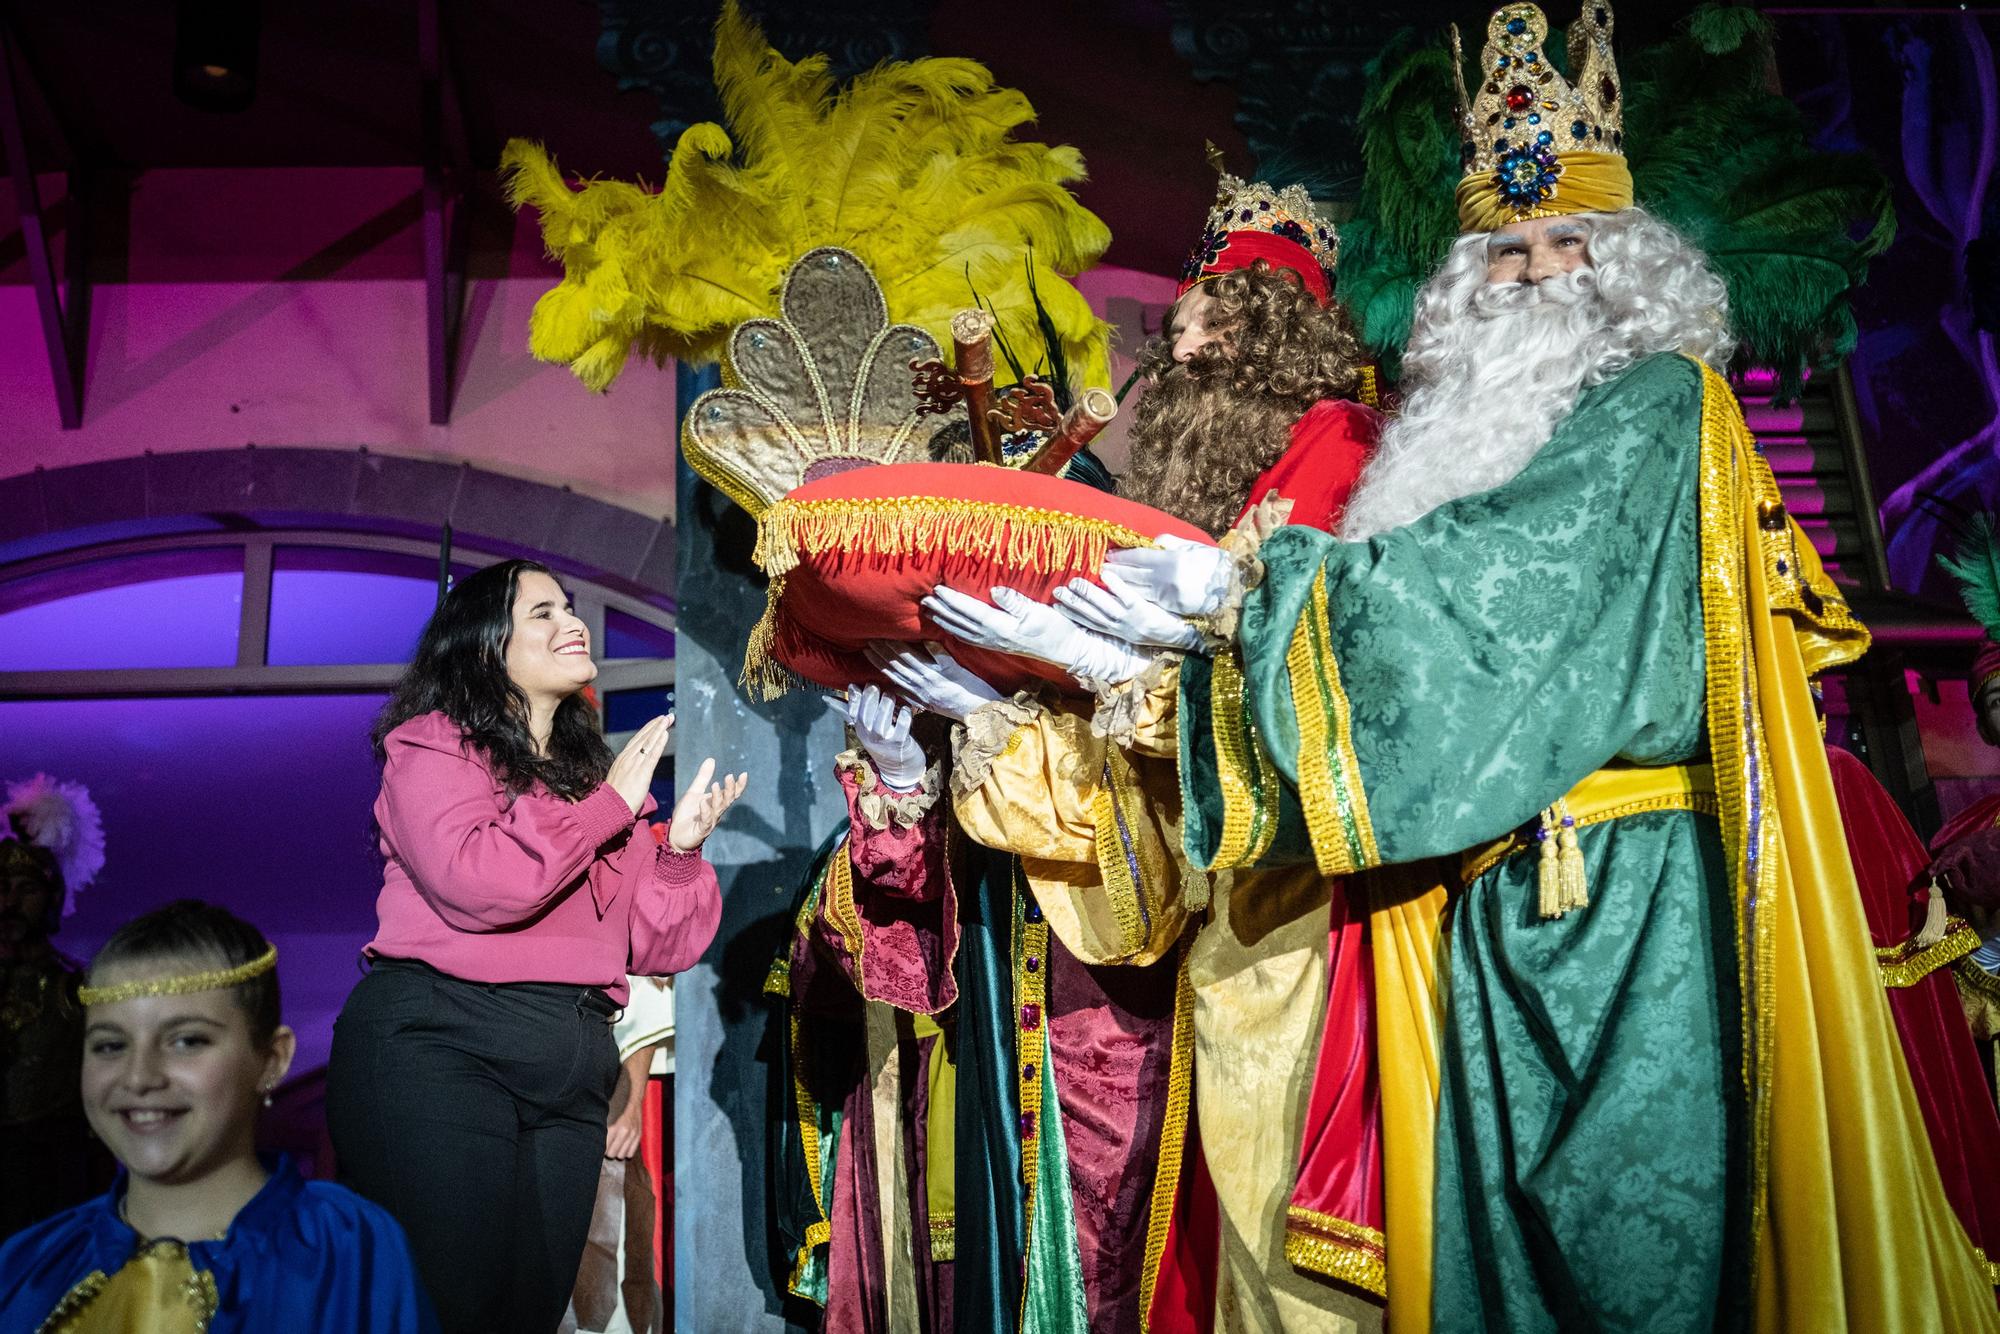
<point x="286" y="307"/>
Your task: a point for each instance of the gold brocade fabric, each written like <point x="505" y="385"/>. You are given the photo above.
<point x="1851" y="1226"/>
<point x="157" y="1291"/>
<point x="1095" y="827"/>
<point x="1258" y="971"/>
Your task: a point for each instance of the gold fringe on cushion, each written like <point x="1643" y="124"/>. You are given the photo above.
<point x="763" y="676"/>
<point x="1021" y="537"/>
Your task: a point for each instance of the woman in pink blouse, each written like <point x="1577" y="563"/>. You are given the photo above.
<point x="472" y="1067"/>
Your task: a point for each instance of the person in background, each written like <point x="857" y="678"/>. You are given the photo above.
<point x="618" y="1286"/>
<point x="182" y="1041"/>
<point x="51" y="848"/>
<point x="472" y="1068"/>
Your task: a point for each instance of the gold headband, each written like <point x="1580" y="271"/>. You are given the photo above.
<point x="214" y="979"/>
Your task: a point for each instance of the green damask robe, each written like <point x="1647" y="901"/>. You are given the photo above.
<point x="1450" y="680"/>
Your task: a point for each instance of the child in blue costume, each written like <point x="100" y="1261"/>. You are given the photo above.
<point x="182" y="1040"/>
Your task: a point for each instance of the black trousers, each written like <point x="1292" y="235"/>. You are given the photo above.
<point x="475" y="1113"/>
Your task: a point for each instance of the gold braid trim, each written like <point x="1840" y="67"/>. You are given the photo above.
<point x="1173" y="1133"/>
<point x="1336" y="805"/>
<point x="1243" y="770"/>
<point x="75" y="1300"/>
<point x="820" y="1232"/>
<point x="1991" y="1269"/>
<point x="944" y="1240"/>
<point x="1020" y="536"/>
<point x="841" y="907"/>
<point x="1742" y="763"/>
<point x="1337" y="1249"/>
<point x="1030" y="989"/>
<point x="212" y="979"/>
<point x="1116" y="809"/>
<point x="1905" y="966"/>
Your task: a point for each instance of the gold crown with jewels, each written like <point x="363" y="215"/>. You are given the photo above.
<point x="1534" y="144"/>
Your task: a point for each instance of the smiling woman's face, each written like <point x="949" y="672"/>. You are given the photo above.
<point x="548" y="650"/>
<point x="171" y="1084"/>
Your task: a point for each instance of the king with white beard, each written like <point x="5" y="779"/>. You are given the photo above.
<point x="1562" y="639"/>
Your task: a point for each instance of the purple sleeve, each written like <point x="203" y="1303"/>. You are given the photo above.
<point x="675" y="914"/>
<point x="908" y="863"/>
<point x="479" y="866"/>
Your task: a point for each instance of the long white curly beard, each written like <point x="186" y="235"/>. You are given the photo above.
<point x="1499" y="374"/>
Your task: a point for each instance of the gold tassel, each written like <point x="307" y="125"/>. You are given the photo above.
<point x="1575" y="889"/>
<point x="1934" y="921"/>
<point x="1560" y="875"/>
<point x="1549" y="873"/>
<point x="763" y="675"/>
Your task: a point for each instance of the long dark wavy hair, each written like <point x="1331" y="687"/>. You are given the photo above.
<point x="460" y="670"/>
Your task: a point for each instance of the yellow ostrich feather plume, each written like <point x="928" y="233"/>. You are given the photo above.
<point x="912" y="166"/>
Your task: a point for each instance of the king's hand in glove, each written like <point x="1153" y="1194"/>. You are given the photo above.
<point x="930" y="679"/>
<point x="1018" y="624"/>
<point x="1118" y="610"/>
<point x="1184" y="578"/>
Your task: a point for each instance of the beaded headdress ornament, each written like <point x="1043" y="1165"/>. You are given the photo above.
<point x="183" y="984"/>
<point x="1532" y="143"/>
<point x="1253" y="220"/>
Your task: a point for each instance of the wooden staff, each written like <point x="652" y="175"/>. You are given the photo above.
<point x="972" y="342"/>
<point x="1091" y="413"/>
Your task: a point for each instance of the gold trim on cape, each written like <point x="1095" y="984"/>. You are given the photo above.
<point x="1173" y="1135"/>
<point x="1336" y="805"/>
<point x="1903" y="966"/>
<point x="1337" y="1249"/>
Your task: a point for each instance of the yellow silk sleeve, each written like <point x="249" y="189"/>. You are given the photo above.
<point x="1097" y="831"/>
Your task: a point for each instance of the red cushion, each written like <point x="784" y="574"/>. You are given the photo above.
<point x="870" y="543"/>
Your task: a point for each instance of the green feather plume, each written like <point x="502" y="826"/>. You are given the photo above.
<point x="1977" y="573"/>
<point x="1789" y="228"/>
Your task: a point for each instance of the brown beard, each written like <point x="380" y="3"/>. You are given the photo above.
<point x="1199" y="442"/>
<point x="1204" y="431"/>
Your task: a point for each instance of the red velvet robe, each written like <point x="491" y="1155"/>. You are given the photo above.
<point x="1889" y="863"/>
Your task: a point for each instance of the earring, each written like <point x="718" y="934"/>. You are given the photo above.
<point x="267" y="1097"/>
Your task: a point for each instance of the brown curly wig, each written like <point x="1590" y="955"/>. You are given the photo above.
<point x="1204" y="430"/>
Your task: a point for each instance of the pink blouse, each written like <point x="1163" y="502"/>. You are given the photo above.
<point x="532" y="888"/>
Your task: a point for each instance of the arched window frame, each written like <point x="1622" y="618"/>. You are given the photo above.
<point x="252" y="673"/>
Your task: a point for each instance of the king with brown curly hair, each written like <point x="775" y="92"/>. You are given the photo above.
<point x="1254" y="382"/>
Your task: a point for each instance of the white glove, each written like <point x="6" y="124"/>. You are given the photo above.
<point x="1019" y="624"/>
<point x="1186" y="578"/>
<point x="882" y="726"/>
<point x="930" y="679"/>
<point x="1116" y="610"/>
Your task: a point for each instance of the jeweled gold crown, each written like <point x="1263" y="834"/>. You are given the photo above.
<point x="1243" y="209"/>
<point x="1534" y="144"/>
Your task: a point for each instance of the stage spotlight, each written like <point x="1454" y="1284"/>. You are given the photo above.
<point x="215" y="53"/>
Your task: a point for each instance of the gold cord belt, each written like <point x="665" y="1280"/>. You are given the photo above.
<point x="1607" y="794"/>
